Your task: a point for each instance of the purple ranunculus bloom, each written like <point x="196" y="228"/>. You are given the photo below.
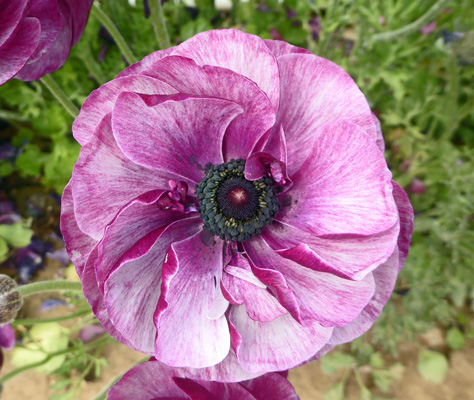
<point x="231" y="211"/>
<point x="36" y="36"/>
<point x="155" y="380"/>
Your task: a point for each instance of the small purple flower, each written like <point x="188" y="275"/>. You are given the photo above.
<point x="36" y="36"/>
<point x="154" y="380"/>
<point x="231" y="210"/>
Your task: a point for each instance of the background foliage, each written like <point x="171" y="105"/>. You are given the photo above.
<point x="420" y="85"/>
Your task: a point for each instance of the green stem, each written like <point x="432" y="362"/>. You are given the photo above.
<point x="103" y="393"/>
<point x="12" y="116"/>
<point x="19" y="370"/>
<point x="159" y="23"/>
<point x="414" y="26"/>
<point x="91" y="64"/>
<point x="60" y="95"/>
<point x="33" y="321"/>
<point x="114" y="32"/>
<point x="48" y="286"/>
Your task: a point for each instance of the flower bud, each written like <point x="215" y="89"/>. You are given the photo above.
<point x="10" y="300"/>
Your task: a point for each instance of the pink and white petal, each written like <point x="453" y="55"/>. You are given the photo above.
<point x="322" y="297"/>
<point x="177" y="137"/>
<point x="102" y="100"/>
<point x="240" y="52"/>
<point x="379" y="140"/>
<point x="271" y="386"/>
<point x="315" y="92"/>
<point x="11" y="13"/>
<point x="78" y="244"/>
<point x="133" y="222"/>
<point x="244" y="131"/>
<point x="17" y="50"/>
<point x="280" y="48"/>
<point x="104" y="180"/>
<point x="259" y="303"/>
<point x="347" y="256"/>
<point x="277" y="345"/>
<point x="186" y="336"/>
<point x="47" y="12"/>
<point x="131" y="291"/>
<point x="343" y="187"/>
<point x="150" y="380"/>
<point x="146" y="62"/>
<point x="385" y="275"/>
<point x="96" y="301"/>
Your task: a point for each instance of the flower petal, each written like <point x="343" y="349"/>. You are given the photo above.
<point x="102" y="100"/>
<point x="131" y="292"/>
<point x="150" y="380"/>
<point x="238" y="51"/>
<point x="321" y="297"/>
<point x="314" y="92"/>
<point x="385" y="275"/>
<point x="379" y="141"/>
<point x="277" y="345"/>
<point x="7" y="336"/>
<point x="178" y="137"/>
<point x="136" y="220"/>
<point x="343" y="187"/>
<point x="280" y="48"/>
<point x="186" y="336"/>
<point x="104" y="180"/>
<point x="11" y="13"/>
<point x="78" y="244"/>
<point x="18" y="49"/>
<point x="195" y="80"/>
<point x="271" y="386"/>
<point x="349" y="256"/>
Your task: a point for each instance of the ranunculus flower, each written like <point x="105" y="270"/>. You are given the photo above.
<point x="37" y="35"/>
<point x="231" y="210"/>
<point x="154" y="381"/>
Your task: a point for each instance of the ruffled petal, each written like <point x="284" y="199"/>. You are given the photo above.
<point x="314" y="92"/>
<point x="280" y="48"/>
<point x="195" y="80"/>
<point x="102" y="100"/>
<point x="343" y="187"/>
<point x="322" y="297"/>
<point x="78" y="244"/>
<point x="238" y="51"/>
<point x="7" y="336"/>
<point x="11" y="13"/>
<point x="150" y="380"/>
<point x="132" y="289"/>
<point x="277" y="345"/>
<point x="385" y="276"/>
<point x="186" y="336"/>
<point x="271" y="386"/>
<point x="104" y="180"/>
<point x="259" y="303"/>
<point x="18" y="49"/>
<point x="146" y="62"/>
<point x="136" y="220"/>
<point x="349" y="256"/>
<point x="178" y="137"/>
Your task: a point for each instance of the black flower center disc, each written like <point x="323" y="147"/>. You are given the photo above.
<point x="232" y="207"/>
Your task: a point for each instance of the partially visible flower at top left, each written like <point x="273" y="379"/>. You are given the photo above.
<point x="154" y="380"/>
<point x="36" y="36"/>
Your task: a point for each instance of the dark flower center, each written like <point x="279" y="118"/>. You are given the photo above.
<point x="233" y="207"/>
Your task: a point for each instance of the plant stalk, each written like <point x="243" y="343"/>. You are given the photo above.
<point x="60" y="96"/>
<point x="48" y="286"/>
<point x="159" y="23"/>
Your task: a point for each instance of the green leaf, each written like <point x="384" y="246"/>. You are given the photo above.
<point x="335" y="361"/>
<point x="16" y="235"/>
<point x="3" y="249"/>
<point x="432" y="366"/>
<point x="455" y="339"/>
<point x="335" y="392"/>
<point x="376" y="360"/>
